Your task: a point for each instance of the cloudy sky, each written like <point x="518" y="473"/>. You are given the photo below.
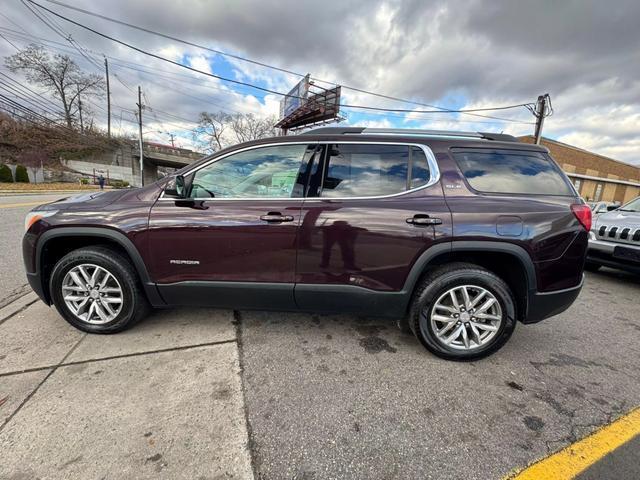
<point x="453" y="54"/>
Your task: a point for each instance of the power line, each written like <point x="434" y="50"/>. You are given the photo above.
<point x="11" y="21"/>
<point x="176" y="39"/>
<point x="57" y="30"/>
<point x="257" y="87"/>
<point x="24" y="87"/>
<point x="132" y="66"/>
<point x="9" y="42"/>
<point x="166" y="74"/>
<point x="283" y="70"/>
<point x="29" y="110"/>
<point x="53" y="25"/>
<point x="10" y="89"/>
<point x="175" y="87"/>
<point x="52" y="128"/>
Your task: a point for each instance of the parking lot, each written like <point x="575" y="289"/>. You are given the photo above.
<point x="203" y="393"/>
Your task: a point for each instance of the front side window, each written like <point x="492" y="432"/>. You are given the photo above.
<point x="265" y="172"/>
<point x="511" y="171"/>
<point x="355" y="170"/>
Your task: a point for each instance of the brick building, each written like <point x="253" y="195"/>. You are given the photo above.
<point x="596" y="177"/>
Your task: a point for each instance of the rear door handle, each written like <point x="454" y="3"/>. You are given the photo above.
<point x="276" y="217"/>
<point x="422" y="219"/>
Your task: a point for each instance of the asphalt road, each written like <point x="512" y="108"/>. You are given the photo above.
<point x="13" y="209"/>
<point x="333" y="397"/>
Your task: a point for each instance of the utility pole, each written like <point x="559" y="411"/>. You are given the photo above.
<point x="172" y="137"/>
<point x="140" y="125"/>
<point x="106" y="68"/>
<point x="541" y="111"/>
<point x="80" y="113"/>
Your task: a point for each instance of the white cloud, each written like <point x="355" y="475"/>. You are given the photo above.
<point x="585" y="54"/>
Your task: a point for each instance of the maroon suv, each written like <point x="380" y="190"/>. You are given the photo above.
<point x="457" y="235"/>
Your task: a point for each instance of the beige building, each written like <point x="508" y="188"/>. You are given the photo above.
<point x="596" y="177"/>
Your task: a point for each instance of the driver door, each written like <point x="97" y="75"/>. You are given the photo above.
<point x="234" y="239"/>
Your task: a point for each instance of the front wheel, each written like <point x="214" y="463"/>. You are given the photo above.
<point x="96" y="290"/>
<point x="462" y="312"/>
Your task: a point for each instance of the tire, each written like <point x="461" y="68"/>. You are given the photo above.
<point x="119" y="316"/>
<point x="592" y="266"/>
<point x="403" y="326"/>
<point x="436" y="286"/>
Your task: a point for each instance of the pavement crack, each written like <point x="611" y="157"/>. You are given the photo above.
<point x="113" y="357"/>
<point x="16" y="294"/>
<point x="34" y="391"/>
<point x="22" y="309"/>
<point x="251" y="445"/>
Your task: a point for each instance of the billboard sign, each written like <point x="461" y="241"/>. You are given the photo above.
<point x="322" y="106"/>
<point x="295" y="98"/>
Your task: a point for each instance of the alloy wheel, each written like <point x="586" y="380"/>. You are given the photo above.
<point x="92" y="293"/>
<point x="465" y="317"/>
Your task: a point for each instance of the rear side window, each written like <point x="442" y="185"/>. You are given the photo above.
<point x="355" y="170"/>
<point x="511" y="171"/>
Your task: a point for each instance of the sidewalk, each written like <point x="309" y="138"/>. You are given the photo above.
<point x="8" y="193"/>
<point x="7" y="189"/>
<point x="163" y="400"/>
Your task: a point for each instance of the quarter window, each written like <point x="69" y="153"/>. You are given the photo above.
<point x="420" y="173"/>
<point x="355" y="170"/>
<point x="511" y="171"/>
<point x="267" y="172"/>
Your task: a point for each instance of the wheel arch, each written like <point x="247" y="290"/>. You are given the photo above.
<point x="510" y="262"/>
<point x="60" y="241"/>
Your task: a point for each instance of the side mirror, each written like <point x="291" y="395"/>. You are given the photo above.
<point x="610" y="208"/>
<point x="176" y="187"/>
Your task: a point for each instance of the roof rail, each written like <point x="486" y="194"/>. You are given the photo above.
<point x="500" y="137"/>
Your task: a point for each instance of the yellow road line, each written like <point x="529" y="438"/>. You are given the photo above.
<point x="577" y="457"/>
<point x="16" y="205"/>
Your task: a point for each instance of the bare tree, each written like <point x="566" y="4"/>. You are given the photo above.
<point x="247" y="127"/>
<point x="216" y="131"/>
<point x="210" y="130"/>
<point x="59" y="75"/>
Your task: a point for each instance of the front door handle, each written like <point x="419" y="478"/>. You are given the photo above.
<point x="422" y="219"/>
<point x="276" y="217"/>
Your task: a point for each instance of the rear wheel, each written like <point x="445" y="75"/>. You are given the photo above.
<point x="462" y="312"/>
<point x="96" y="290"/>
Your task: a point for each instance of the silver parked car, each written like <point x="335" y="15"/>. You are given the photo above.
<point x="614" y="239"/>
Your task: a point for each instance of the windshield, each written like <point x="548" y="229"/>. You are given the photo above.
<point x="632" y="206"/>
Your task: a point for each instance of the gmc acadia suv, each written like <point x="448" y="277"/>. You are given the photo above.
<point x="458" y="235"/>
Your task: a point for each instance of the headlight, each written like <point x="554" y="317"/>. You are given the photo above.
<point x="34" y="216"/>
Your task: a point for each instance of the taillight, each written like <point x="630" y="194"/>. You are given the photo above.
<point x="583" y="214"/>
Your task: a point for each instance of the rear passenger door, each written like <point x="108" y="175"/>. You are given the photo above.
<point x="371" y="210"/>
